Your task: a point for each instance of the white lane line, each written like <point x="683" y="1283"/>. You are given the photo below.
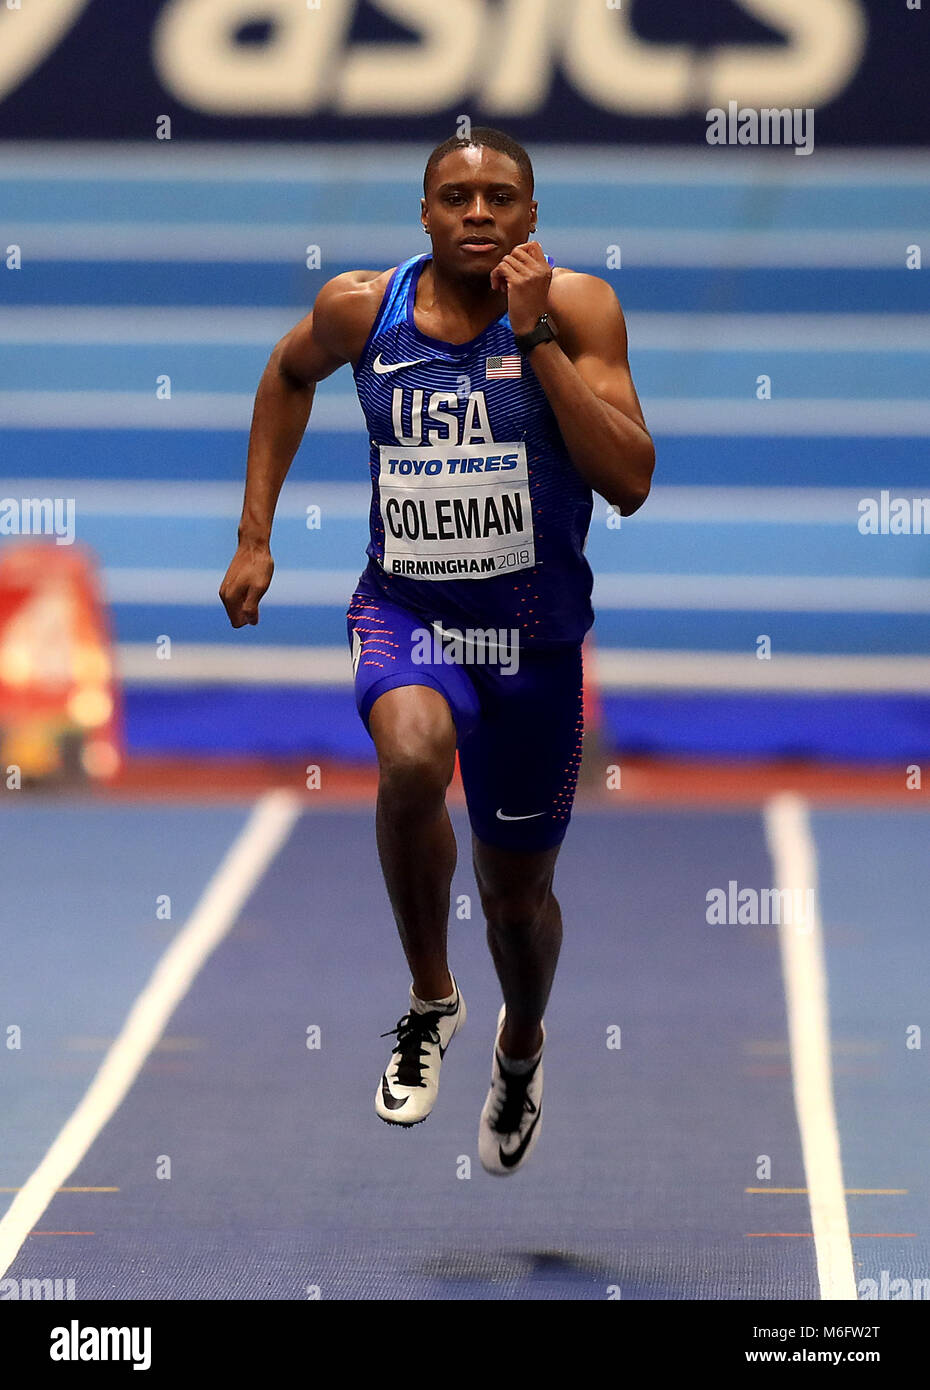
<point x="125" y="498"/>
<point x="677" y="593"/>
<point x="691" y="504"/>
<point x="200" y="588"/>
<point x="338" y="411"/>
<point x="791" y="847"/>
<point x="781" y="593"/>
<point x="261" y="242"/>
<point x="215" y="663"/>
<point x="247" y="859"/>
<point x="815" y="417"/>
<point x="657" y="331"/>
<point x="186" y="410"/>
<point x="738" y="332"/>
<point x="689" y="671"/>
<point x="236" y="326"/>
<point x="305" y="163"/>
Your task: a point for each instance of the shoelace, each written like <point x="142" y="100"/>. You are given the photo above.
<point x="413" y="1030"/>
<point x="515" y="1104"/>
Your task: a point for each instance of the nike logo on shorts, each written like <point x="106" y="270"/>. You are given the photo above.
<point x="501" y="816"/>
<point x="380" y="368"/>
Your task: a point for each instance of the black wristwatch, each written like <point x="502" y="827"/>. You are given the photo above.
<point x="544" y="332"/>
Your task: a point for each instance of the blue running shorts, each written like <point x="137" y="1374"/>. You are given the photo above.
<point x="518" y="715"/>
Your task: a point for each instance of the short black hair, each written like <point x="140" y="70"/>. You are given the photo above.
<point x="482" y="135"/>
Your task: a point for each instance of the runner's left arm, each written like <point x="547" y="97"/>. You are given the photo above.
<point x="585" y="374"/>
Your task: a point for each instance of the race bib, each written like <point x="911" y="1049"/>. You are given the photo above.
<point x="456" y="511"/>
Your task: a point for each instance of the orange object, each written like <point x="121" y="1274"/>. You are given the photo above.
<point x="60" y="705"/>
<point x="593" y="715"/>
<point x="594" y="761"/>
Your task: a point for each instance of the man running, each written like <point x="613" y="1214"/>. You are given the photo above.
<point x="497" y="395"/>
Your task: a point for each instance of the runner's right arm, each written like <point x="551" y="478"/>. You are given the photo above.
<point x="310" y="352"/>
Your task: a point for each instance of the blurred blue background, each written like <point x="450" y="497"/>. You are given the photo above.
<point x="145" y="259"/>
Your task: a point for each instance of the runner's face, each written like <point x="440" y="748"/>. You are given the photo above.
<point x="477" y="192"/>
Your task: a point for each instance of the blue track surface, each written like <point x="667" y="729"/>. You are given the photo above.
<point x="875" y="886"/>
<point x="281" y="1174"/>
<point x="656" y="290"/>
<point x="323" y="724"/>
<point x="375" y="201"/>
<point x="326" y="457"/>
<point x="81" y="938"/>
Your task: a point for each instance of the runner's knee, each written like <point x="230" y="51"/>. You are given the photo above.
<point x="416" y="757"/>
<point x="413" y="776"/>
<point x="518" y="907"/>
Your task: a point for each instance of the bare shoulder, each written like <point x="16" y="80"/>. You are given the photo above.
<point x="355" y="284"/>
<point x="345" y="308"/>
<point x="574" y="288"/>
<point x="584" y="305"/>
<point x="336" y="329"/>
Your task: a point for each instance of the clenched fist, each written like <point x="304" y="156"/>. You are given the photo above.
<point x="246" y="582"/>
<point x="525" y="275"/>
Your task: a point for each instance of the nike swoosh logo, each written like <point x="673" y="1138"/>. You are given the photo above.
<point x="380" y="368"/>
<point x="501" y="816"/>
<point x="390" y="1101"/>
<point x="444" y="1050"/>
<point x="511" y="1160"/>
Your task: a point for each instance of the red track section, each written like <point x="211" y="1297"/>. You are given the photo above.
<point x="682" y="783"/>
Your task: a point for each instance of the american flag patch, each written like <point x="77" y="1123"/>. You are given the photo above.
<point x="495" y="367"/>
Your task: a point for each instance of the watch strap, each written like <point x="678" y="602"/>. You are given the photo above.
<point x="544" y="332"/>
